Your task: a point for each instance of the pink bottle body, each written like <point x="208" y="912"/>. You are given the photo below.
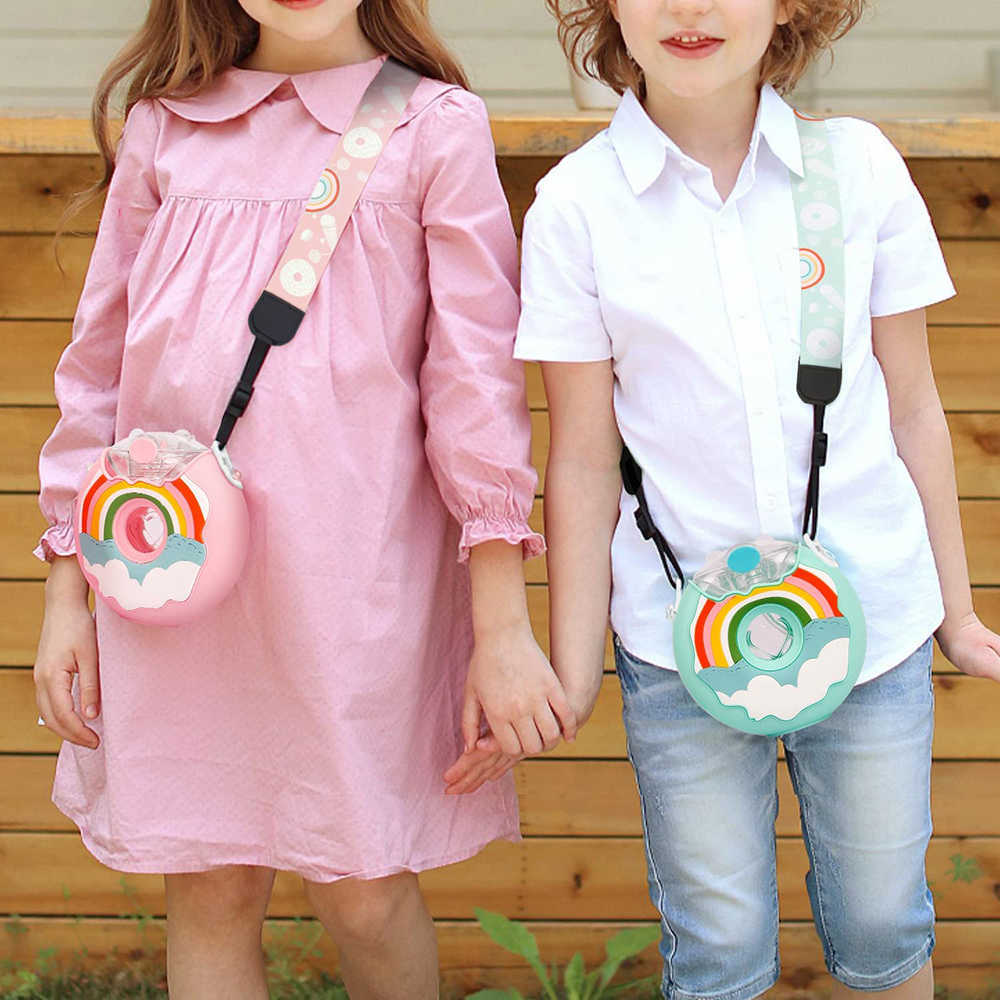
<point x="162" y="528"/>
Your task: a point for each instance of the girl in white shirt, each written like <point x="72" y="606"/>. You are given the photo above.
<point x="661" y="290"/>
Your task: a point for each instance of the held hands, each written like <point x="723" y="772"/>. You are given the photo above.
<point x="510" y="682"/>
<point x="68" y="646"/>
<point x="971" y="647"/>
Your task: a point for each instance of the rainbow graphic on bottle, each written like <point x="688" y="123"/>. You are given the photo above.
<point x="143" y="542"/>
<point x="143" y="527"/>
<point x="769" y="637"/>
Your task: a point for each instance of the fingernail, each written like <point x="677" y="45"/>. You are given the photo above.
<point x="90" y="711"/>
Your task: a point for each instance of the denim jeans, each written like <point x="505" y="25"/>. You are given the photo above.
<point x="709" y="802"/>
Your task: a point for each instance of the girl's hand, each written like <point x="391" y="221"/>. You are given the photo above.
<point x="68" y="646"/>
<point x="475" y="767"/>
<point x="513" y="684"/>
<point x="971" y="647"/>
<point x="582" y="699"/>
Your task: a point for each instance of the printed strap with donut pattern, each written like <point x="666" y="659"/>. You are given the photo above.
<point x="275" y="318"/>
<point x="819" y="217"/>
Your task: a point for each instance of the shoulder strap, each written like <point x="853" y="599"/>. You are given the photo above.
<point x="276" y="316"/>
<point x="819" y="217"/>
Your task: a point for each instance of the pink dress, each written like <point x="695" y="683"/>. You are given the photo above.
<point x="307" y="723"/>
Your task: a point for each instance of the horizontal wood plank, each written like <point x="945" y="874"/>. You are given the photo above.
<point x="963" y="196"/>
<point x="936" y="136"/>
<point x="975" y="439"/>
<point x="552" y="878"/>
<point x="980" y="522"/>
<point x="565" y="798"/>
<point x="966" y="365"/>
<point x="966" y="712"/>
<point x="35" y="191"/>
<point x="940" y="135"/>
<point x="31" y="286"/>
<point x="965" y="959"/>
<point x="23" y="602"/>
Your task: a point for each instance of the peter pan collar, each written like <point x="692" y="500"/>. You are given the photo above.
<point x="643" y="148"/>
<point x="330" y="95"/>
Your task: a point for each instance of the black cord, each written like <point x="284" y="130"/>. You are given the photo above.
<point x="810" y="522"/>
<point x="240" y="398"/>
<point x="632" y="481"/>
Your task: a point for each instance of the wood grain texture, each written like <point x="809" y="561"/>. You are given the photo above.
<point x="20" y="532"/>
<point x="21" y="604"/>
<point x="32" y="287"/>
<point x="965" y="714"/>
<point x="975" y="439"/>
<point x="966" y="362"/>
<point x="980" y="520"/>
<point x="549" y="878"/>
<point x="950" y="136"/>
<point x="555" y="800"/>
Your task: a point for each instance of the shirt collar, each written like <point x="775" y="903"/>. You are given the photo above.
<point x="643" y="148"/>
<point x="329" y="95"/>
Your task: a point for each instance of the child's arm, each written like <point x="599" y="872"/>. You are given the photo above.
<point x="478" y="431"/>
<point x="86" y="387"/>
<point x="924" y="444"/>
<point x="582" y="491"/>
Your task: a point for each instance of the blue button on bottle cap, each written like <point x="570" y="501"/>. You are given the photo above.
<point x="744" y="559"/>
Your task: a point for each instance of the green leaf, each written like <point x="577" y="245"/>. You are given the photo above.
<point x="516" y="938"/>
<point x="964" y="869"/>
<point x="495" y="995"/>
<point x="574" y="977"/>
<point x="631" y="941"/>
<point x="509" y="934"/>
<point x="650" y="982"/>
<point x="624" y="945"/>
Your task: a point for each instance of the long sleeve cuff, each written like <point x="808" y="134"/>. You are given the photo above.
<point x="59" y="540"/>
<point x="490" y="527"/>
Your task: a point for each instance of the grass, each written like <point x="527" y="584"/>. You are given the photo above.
<point x="144" y="980"/>
<point x="147" y="983"/>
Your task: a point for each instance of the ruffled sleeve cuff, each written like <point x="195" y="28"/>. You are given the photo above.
<point x="59" y="540"/>
<point x="489" y="528"/>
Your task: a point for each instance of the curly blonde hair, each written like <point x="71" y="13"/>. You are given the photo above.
<point x="593" y="42"/>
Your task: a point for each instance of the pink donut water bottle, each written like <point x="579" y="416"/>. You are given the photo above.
<point x="162" y="527"/>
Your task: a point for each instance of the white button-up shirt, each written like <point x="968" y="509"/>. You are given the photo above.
<point x="629" y="253"/>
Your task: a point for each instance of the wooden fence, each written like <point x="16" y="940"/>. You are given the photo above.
<point x="580" y="871"/>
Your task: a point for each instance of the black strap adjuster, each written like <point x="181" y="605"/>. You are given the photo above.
<point x="819" y="448"/>
<point x="239" y="400"/>
<point x="645" y="523"/>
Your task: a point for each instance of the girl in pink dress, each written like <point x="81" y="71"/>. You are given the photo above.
<point x="309" y="723"/>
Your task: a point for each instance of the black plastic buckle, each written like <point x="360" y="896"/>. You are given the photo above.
<point x="817" y="384"/>
<point x="645" y="523"/>
<point x="239" y="400"/>
<point x="820" y="441"/>
<point x="273" y="320"/>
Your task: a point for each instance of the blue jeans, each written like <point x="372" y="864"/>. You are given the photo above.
<point x="709" y="802"/>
